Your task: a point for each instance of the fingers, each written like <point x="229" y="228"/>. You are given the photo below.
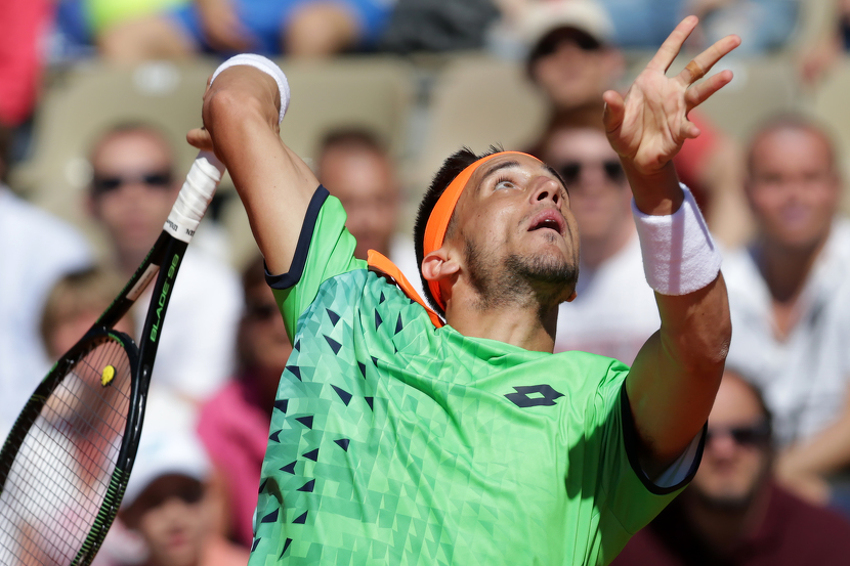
<point x="697" y="94"/>
<point x="200" y="138"/>
<point x="702" y="63"/>
<point x="689" y="130"/>
<point x="670" y="48"/>
<point x="612" y="114"/>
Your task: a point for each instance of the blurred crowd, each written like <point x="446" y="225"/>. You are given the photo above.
<point x="774" y="484"/>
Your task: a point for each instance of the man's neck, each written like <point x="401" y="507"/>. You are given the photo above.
<point x="520" y="323"/>
<point x="596" y="251"/>
<point x="786" y="270"/>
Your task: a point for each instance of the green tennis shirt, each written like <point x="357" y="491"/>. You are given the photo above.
<point x="393" y="442"/>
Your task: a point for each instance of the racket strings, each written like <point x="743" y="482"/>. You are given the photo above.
<point x="61" y="475"/>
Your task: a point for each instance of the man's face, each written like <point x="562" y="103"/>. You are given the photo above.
<point x="737" y="452"/>
<point x="364" y="182"/>
<point x="514" y="225"/>
<point x="573" y="69"/>
<point x="132" y="189"/>
<point x="793" y="187"/>
<point x="599" y="193"/>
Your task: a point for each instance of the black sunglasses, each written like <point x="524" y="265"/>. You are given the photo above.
<point x="571" y="170"/>
<point x="154" y="179"/>
<point x="755" y="435"/>
<point x="552" y="41"/>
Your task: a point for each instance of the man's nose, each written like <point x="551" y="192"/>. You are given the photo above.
<point x="546" y="188"/>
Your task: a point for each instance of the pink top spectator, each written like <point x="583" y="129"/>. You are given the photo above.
<point x="234" y="429"/>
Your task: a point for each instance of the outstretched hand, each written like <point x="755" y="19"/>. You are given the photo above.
<point x="648" y="127"/>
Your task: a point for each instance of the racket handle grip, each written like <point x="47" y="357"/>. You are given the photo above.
<point x="194" y="197"/>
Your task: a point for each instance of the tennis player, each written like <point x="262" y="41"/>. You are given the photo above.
<point x="397" y="439"/>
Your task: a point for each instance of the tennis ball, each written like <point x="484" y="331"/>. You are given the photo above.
<point x="107" y="375"/>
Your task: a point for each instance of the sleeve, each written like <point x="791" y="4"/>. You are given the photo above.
<point x="627" y="497"/>
<point x="325" y="249"/>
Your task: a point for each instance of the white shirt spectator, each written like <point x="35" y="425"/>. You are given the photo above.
<point x="804" y="377"/>
<point x="36" y="249"/>
<point x="614" y="311"/>
<point x="198" y="344"/>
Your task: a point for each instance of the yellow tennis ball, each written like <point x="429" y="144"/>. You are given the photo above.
<point x="107" y="375"/>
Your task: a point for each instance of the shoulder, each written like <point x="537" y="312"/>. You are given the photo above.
<point x="589" y="374"/>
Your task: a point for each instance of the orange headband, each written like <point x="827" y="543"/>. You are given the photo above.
<point x="441" y="214"/>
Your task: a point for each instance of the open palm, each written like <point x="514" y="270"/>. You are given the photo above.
<point x="649" y="126"/>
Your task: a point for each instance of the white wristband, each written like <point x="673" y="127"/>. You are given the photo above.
<point x="679" y="255"/>
<point x="267" y="66"/>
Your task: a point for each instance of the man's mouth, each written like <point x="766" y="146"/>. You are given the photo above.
<point x="548" y="219"/>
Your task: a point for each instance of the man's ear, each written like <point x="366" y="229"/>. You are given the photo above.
<point x="572" y="297"/>
<point x="439" y="265"/>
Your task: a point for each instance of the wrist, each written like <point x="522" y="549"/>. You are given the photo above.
<point x="656" y="193"/>
<point x="266" y="66"/>
<point x="679" y="254"/>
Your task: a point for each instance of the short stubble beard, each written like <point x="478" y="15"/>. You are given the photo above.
<point x="545" y="281"/>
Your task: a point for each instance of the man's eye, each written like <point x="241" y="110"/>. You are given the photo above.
<point x="505" y="184"/>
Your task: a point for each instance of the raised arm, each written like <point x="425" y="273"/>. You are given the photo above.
<point x="241" y="113"/>
<point x="675" y="377"/>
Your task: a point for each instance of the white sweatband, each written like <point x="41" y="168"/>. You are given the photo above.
<point x="268" y="67"/>
<point x="679" y="255"/>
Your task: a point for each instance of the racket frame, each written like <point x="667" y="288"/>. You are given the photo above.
<point x="162" y="262"/>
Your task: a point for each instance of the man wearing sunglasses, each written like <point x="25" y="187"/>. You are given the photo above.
<point x="573" y="59"/>
<point x="734" y="512"/>
<point x="132" y="189"/>
<point x="610" y="316"/>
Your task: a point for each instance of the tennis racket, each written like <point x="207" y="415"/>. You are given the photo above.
<point x="66" y="461"/>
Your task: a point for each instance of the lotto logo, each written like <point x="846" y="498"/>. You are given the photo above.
<point x="533" y="395"/>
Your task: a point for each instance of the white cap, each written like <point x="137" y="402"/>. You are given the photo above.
<point x="543" y="17"/>
<point x="169" y="445"/>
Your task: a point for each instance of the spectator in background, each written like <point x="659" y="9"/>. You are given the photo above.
<point x="81" y="24"/>
<point x="74" y="304"/>
<point x="825" y="51"/>
<point x="439" y="25"/>
<point x="23" y="30"/>
<point x="168" y="503"/>
<point x="356" y="167"/>
<point x="297" y="28"/>
<point x="765" y="25"/>
<point x="573" y="60"/>
<point x="734" y="512"/>
<point x="36" y="249"/>
<point x="614" y="312"/>
<point x="131" y="193"/>
<point x="234" y="423"/>
<point x="789" y="295"/>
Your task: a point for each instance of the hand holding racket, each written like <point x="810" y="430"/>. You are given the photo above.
<point x="66" y="461"/>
